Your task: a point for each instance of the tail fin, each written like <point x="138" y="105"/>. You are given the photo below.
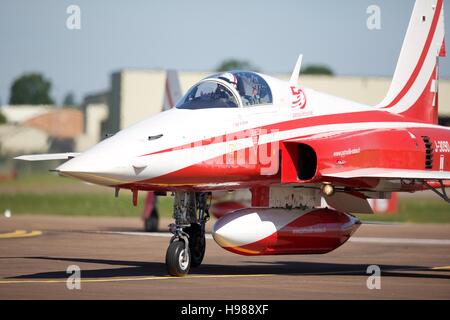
<point x="414" y="87"/>
<point x="172" y="91"/>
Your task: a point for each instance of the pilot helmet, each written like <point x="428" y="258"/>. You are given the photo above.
<point x="230" y="78"/>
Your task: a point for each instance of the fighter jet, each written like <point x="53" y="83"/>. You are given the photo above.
<point x="290" y="146"/>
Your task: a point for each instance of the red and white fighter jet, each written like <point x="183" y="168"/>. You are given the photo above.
<point x="289" y="145"/>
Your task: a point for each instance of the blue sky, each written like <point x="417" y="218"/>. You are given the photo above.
<point x="195" y="35"/>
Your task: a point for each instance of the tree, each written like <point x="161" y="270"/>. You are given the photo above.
<point x="69" y="100"/>
<point x="31" y="88"/>
<point x="235" y="64"/>
<point x="317" y="69"/>
<point x="2" y="118"/>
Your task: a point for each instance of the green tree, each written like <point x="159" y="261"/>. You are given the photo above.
<point x="69" y="100"/>
<point x="235" y="64"/>
<point x="2" y="118"/>
<point x="317" y="69"/>
<point x="31" y="88"/>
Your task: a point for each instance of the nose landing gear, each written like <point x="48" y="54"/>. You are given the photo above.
<point x="187" y="246"/>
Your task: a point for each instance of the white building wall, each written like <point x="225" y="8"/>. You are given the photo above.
<point x="95" y="115"/>
<point x="16" y="140"/>
<point x="141" y="95"/>
<point x="21" y="113"/>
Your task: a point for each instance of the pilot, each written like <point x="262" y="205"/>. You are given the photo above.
<point x="230" y="78"/>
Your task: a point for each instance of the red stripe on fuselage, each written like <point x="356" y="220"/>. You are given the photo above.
<point x="344" y="118"/>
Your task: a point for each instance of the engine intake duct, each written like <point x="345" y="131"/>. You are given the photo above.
<point x="298" y="162"/>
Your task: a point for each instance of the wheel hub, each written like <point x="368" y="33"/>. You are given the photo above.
<point x="184" y="260"/>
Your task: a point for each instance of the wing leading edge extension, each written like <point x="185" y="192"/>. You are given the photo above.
<point x="48" y="156"/>
<point x="389" y="174"/>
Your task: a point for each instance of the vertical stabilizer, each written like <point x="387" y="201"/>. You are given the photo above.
<point x="172" y="91"/>
<point x="414" y="87"/>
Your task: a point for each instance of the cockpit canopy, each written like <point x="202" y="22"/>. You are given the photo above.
<point x="227" y="90"/>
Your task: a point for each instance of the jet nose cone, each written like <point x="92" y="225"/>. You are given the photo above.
<point x="83" y="163"/>
<point x="86" y="168"/>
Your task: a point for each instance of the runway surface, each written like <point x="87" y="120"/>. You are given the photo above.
<point x="118" y="261"/>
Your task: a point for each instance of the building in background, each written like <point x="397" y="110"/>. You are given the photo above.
<point x="18" y="114"/>
<point x="15" y="140"/>
<point x="95" y="114"/>
<point x="39" y="129"/>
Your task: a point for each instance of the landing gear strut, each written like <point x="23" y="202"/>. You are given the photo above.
<point x="187" y="246"/>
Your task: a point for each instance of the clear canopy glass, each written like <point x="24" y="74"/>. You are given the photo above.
<point x="208" y="94"/>
<point x="251" y="87"/>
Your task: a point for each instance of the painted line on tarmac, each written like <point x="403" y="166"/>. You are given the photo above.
<point x="220" y="276"/>
<point x="411" y="241"/>
<point x="119" y="279"/>
<point x="378" y="240"/>
<point x="20" y="234"/>
<point x="441" y="268"/>
<point x="383" y="223"/>
<point x="145" y="234"/>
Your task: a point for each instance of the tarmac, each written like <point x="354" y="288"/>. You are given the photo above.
<point x="118" y="261"/>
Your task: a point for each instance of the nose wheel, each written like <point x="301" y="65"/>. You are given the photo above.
<point x="178" y="260"/>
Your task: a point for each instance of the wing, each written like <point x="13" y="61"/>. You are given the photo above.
<point x="389" y="174"/>
<point x="48" y="156"/>
<point x="351" y="203"/>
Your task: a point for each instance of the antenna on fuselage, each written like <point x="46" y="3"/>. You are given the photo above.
<point x="296" y="71"/>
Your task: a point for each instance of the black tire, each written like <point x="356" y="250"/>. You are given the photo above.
<point x="174" y="255"/>
<point x="152" y="222"/>
<point x="197" y="244"/>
